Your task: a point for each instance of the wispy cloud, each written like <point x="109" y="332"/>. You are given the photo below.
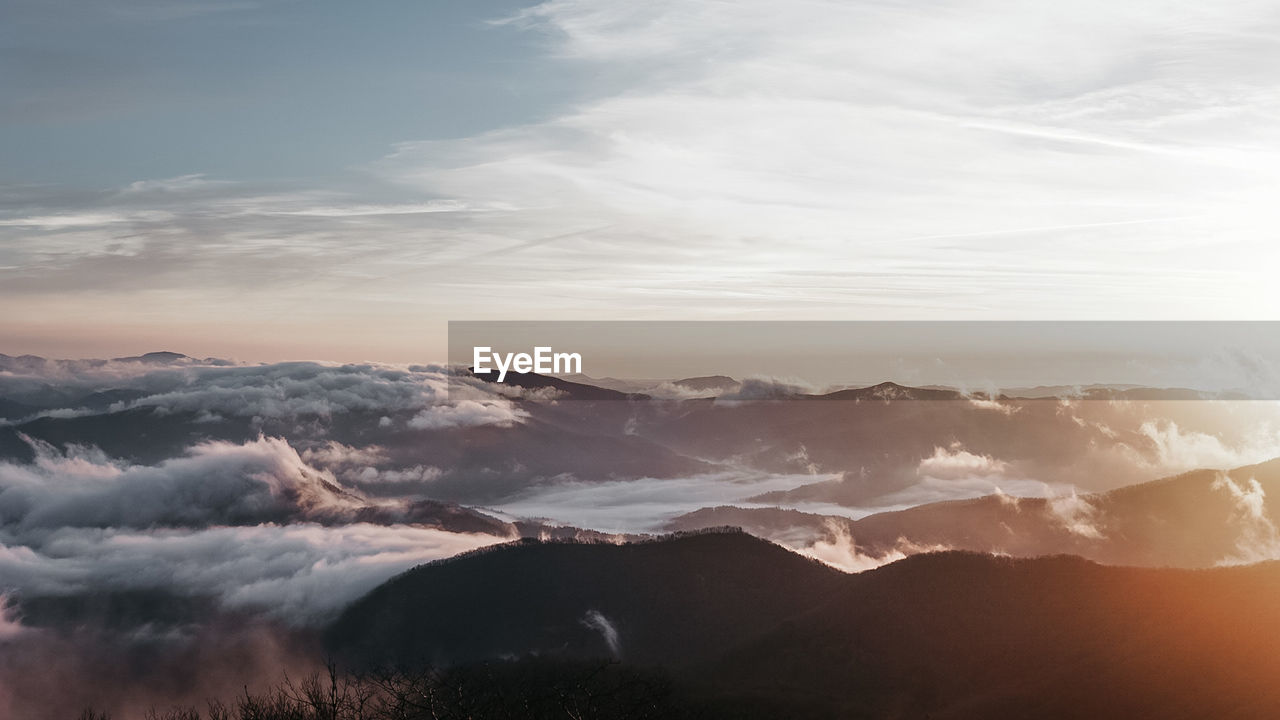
<point x="749" y="160"/>
<point x="1178" y="449"/>
<point x="832" y="124"/>
<point x="645" y="504"/>
<point x="839" y="550"/>
<point x="1259" y="538"/>
<point x="300" y="573"/>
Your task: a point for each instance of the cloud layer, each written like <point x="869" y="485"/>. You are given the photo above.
<point x="300" y="573"/>
<point x="217" y="483"/>
<point x="251" y="525"/>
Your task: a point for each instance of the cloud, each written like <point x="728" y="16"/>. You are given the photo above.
<point x="801" y="457"/>
<point x="760" y="387"/>
<point x="337" y="455"/>
<point x="833" y="123"/>
<point x="184" y="184"/>
<point x="673" y="391"/>
<point x="984" y="403"/>
<point x="294" y="389"/>
<point x="839" y="550"/>
<point x="1076" y="514"/>
<point x="1178" y="449"/>
<point x="963" y="487"/>
<point x="596" y="620"/>
<point x="25" y="371"/>
<point x="413" y="476"/>
<point x="724" y="154"/>
<point x="300" y="573"/>
<point x="360" y="466"/>
<point x="645" y="504"/>
<point x="954" y="473"/>
<point x="1259" y="538"/>
<point x="956" y="462"/>
<point x="215" y="483"/>
<point x="253" y="525"/>
<point x="467" y="413"/>
<point x="433" y="396"/>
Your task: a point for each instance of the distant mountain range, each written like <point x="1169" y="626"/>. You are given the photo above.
<point x="881" y="446"/>
<point x="1198" y="519"/>
<point x="35" y="363"/>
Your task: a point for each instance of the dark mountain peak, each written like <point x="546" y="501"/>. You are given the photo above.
<point x="721" y="538"/>
<point x="573" y="390"/>
<point x="14" y="410"/>
<point x="1186" y="520"/>
<point x="682" y="596"/>
<point x="706" y="382"/>
<point x="102" y="400"/>
<point x="21" y="362"/>
<point x="942" y="562"/>
<point x="158" y="358"/>
<point x="1143" y="393"/>
<point x="888" y="391"/>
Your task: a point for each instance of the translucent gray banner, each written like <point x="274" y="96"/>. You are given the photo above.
<point x="789" y="360"/>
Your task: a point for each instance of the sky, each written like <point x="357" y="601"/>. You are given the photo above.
<point x="286" y="179"/>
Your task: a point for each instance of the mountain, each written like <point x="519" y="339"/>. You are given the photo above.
<point x="21" y="363"/>
<point x="708" y="383"/>
<point x="587" y="440"/>
<point x="890" y="391"/>
<point x="140" y="434"/>
<point x="1190" y="520"/>
<point x="677" y="600"/>
<point x="569" y="390"/>
<point x="881" y="439"/>
<point x="874" y="438"/>
<point x="102" y="400"/>
<point x="162" y="357"/>
<point x="1193" y="520"/>
<point x="743" y="624"/>
<point x="866" y="444"/>
<point x="784" y="525"/>
<point x="13" y="410"/>
<point x="972" y="636"/>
